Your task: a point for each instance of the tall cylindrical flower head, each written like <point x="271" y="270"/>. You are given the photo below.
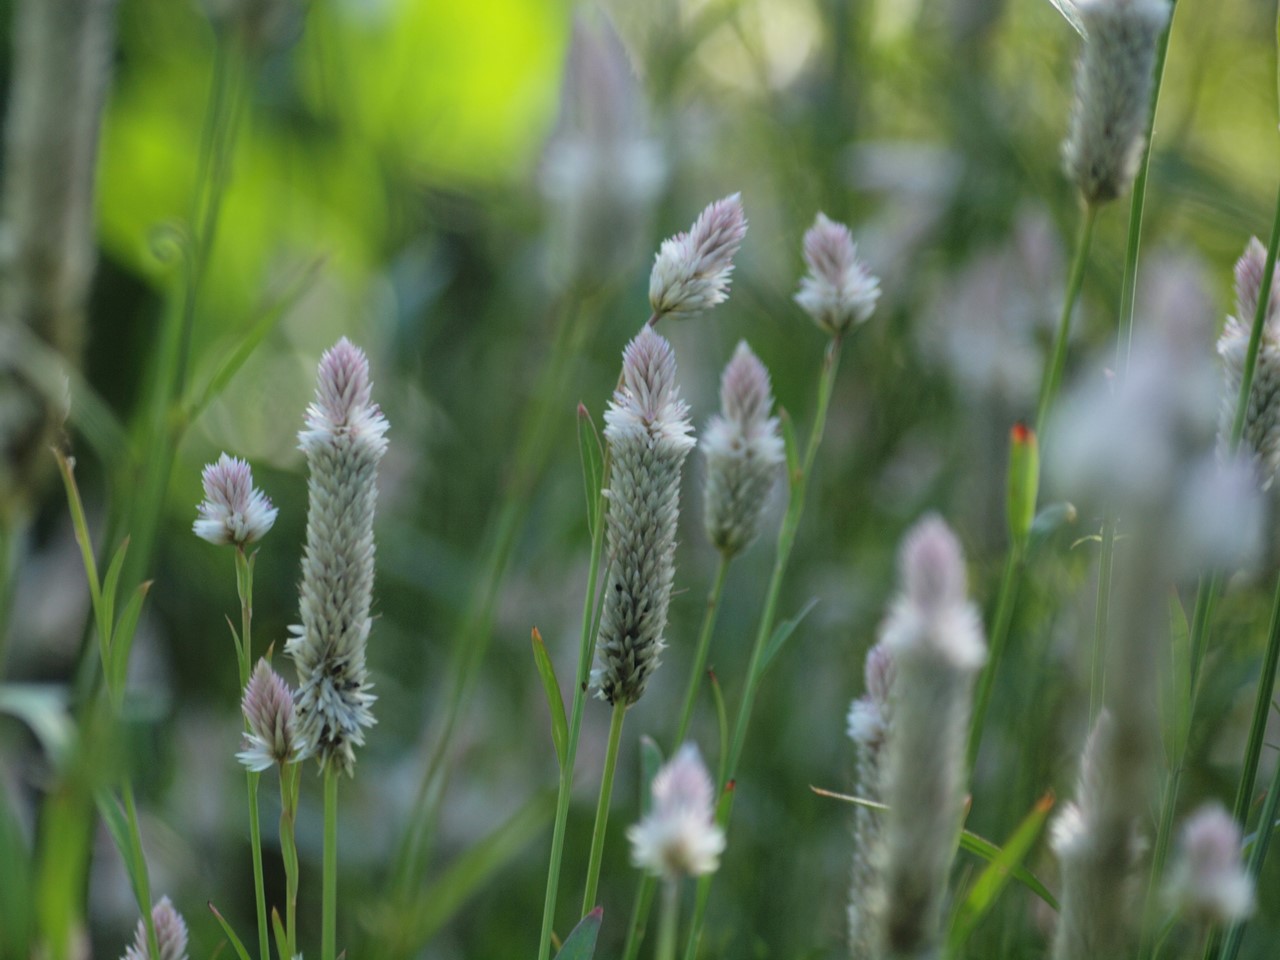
<point x="233" y="510"/>
<point x="679" y="836"/>
<point x="691" y="271"/>
<point x="1261" y="437"/>
<point x="1209" y="884"/>
<point x="743" y="451"/>
<point x="171" y="935"/>
<point x="1113" y="94"/>
<point x="344" y="440"/>
<point x="935" y="638"/>
<point x="268" y="711"/>
<point x="839" y="291"/>
<point x="647" y="428"/>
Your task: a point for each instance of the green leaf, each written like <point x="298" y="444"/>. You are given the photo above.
<point x="111" y="586"/>
<point x="969" y="841"/>
<point x="433" y="905"/>
<point x="66" y="466"/>
<point x="782" y="632"/>
<point x="236" y="945"/>
<point x="16" y="885"/>
<point x="44" y="710"/>
<point x="592" y="455"/>
<point x="122" y="641"/>
<point x="1177" y="705"/>
<point x="282" y="938"/>
<point x="581" y="943"/>
<point x="995" y="877"/>
<point x="123" y="827"/>
<point x="555" y="701"/>
<point x="650" y="764"/>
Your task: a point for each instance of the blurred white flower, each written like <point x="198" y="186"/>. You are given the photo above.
<point x="679" y="836"/>
<point x="1209" y="883"/>
<point x="838" y="292"/>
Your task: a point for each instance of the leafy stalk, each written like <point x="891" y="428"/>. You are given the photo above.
<point x="602" y="806"/>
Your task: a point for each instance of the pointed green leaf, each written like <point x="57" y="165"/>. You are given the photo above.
<point x="236" y="945"/>
<point x="122" y="641"/>
<point x="995" y="877"/>
<point x="555" y="700"/>
<point x="581" y="943"/>
<point x="66" y="467"/>
<point x="111" y="585"/>
<point x="122" y="824"/>
<point x="282" y="938"/>
<point x="782" y="632"/>
<point x="592" y="455"/>
<point x="650" y="764"/>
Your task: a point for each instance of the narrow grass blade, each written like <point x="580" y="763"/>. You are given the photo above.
<point x="592" y="455"/>
<point x="782" y="633"/>
<point x="722" y="721"/>
<point x="236" y="945"/>
<point x="111" y="582"/>
<point x="555" y="702"/>
<point x="17" y="905"/>
<point x="650" y="764"/>
<point x="581" y="943"/>
<point x="66" y="466"/>
<point x="792" y="447"/>
<point x="995" y="877"/>
<point x="123" y="830"/>
<point x="282" y="938"/>
<point x="122" y="639"/>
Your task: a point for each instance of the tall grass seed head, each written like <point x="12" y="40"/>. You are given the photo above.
<point x="233" y="510"/>
<point x="647" y="429"/>
<point x="344" y="441"/>
<point x="870" y="714"/>
<point x="1209" y="883"/>
<point x="679" y="836"/>
<point x="271" y="737"/>
<point x="743" y="451"/>
<point x="171" y="935"/>
<point x="691" y="271"/>
<point x="839" y="291"/>
<point x="1113" y="95"/>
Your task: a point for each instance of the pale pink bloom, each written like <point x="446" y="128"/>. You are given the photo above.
<point x="233" y="511"/>
<point x="679" y="835"/>
<point x="691" y="271"/>
<point x="839" y="292"/>
<point x="1209" y="882"/>
<point x="268" y="708"/>
<point x="171" y="935"/>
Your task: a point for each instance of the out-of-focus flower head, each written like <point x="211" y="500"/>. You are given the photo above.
<point x="679" y="835"/>
<point x="171" y="935"/>
<point x="838" y="292"/>
<point x="233" y="510"/>
<point x="1208" y="883"/>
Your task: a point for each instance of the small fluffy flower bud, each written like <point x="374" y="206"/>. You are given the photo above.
<point x="743" y="451"/>
<point x="344" y="442"/>
<point x="691" y="271"/>
<point x="1113" y="94"/>
<point x="935" y="637"/>
<point x="233" y="511"/>
<point x="839" y="292"/>
<point x="1261" y="437"/>
<point x="171" y="935"/>
<point x="647" y="428"/>
<point x="268" y="711"/>
<point x="679" y="835"/>
<point x="1209" y="884"/>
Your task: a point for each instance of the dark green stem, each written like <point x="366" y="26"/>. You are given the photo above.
<point x="329" y="878"/>
<point x="1057" y="360"/>
<point x="602" y="807"/>
<point x="1261" y="711"/>
<point x="700" y="654"/>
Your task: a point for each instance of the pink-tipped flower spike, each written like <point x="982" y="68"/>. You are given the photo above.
<point x="691" y="271"/>
<point x="868" y="725"/>
<point x="1113" y="94"/>
<point x="935" y="638"/>
<point x="679" y="836"/>
<point x="647" y="428"/>
<point x="268" y="710"/>
<point x="233" y="511"/>
<point x="171" y="935"/>
<point x="743" y="452"/>
<point x="344" y="440"/>
<point x="1261" y="437"/>
<point x="839" y="292"/>
<point x="1209" y="884"/>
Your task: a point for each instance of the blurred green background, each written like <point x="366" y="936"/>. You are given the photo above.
<point x="431" y="180"/>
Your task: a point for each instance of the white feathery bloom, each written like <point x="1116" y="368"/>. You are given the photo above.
<point x="647" y="429"/>
<point x="934" y="635"/>
<point x="868" y="723"/>
<point x="743" y="452"/>
<point x="344" y="441"/>
<point x="233" y="510"/>
<point x="1113" y="94"/>
<point x="691" y="270"/>
<point x="1096" y="839"/>
<point x="679" y="836"/>
<point x="171" y="935"/>
<point x="839" y="292"/>
<point x="1261" y="437"/>
<point x="268" y="712"/>
<point x="1209" y="883"/>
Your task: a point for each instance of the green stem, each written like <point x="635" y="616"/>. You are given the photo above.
<point x="1261" y="711"/>
<point x="575" y="731"/>
<point x="639" y="916"/>
<point x="289" y="852"/>
<point x="1101" y="617"/>
<point x="255" y="841"/>
<point x="704" y="646"/>
<point x="669" y="919"/>
<point x="602" y="807"/>
<point x="1057" y="359"/>
<point x="786" y="539"/>
<point x="1005" y="603"/>
<point x="329" y="880"/>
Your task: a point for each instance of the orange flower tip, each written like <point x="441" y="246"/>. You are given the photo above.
<point x="1021" y="434"/>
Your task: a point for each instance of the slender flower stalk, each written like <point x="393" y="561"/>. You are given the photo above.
<point x="344" y="441"/>
<point x="170" y="932"/>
